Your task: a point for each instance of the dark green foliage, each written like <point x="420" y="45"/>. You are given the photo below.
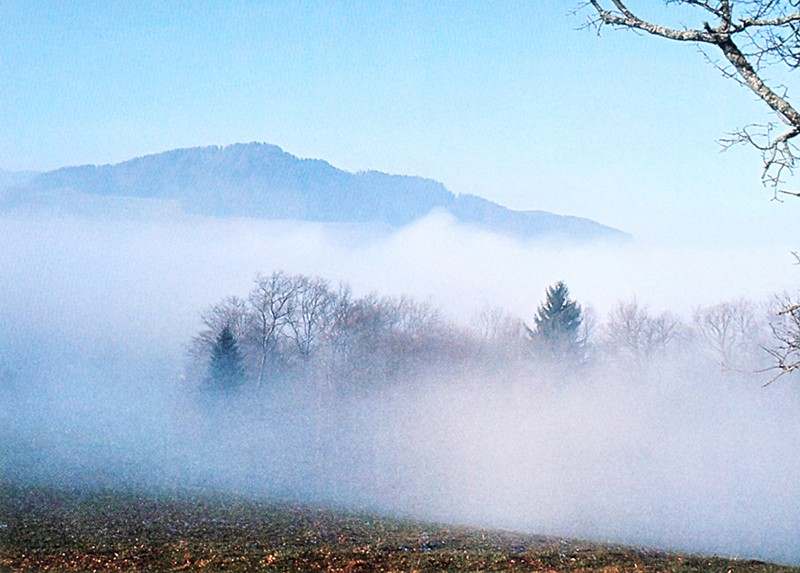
<point x="225" y="369"/>
<point x="557" y="323"/>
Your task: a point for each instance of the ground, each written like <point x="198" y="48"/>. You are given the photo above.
<point x="49" y="529"/>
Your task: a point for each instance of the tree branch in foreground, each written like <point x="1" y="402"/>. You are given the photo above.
<point x="771" y="31"/>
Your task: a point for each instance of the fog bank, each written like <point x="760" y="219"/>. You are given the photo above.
<point x="96" y="315"/>
<point x="156" y="274"/>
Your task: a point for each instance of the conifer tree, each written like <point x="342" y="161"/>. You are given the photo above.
<point x="557" y="323"/>
<point x="225" y="370"/>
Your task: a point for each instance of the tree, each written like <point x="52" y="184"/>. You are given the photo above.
<point x="373" y="339"/>
<point x="363" y="331"/>
<point x="271" y="305"/>
<point x="635" y="336"/>
<point x="557" y="323"/>
<point x="730" y="332"/>
<point x="786" y="331"/>
<point x="500" y="333"/>
<point x="225" y="368"/>
<point x="231" y="313"/>
<point x="311" y="314"/>
<point x="751" y="35"/>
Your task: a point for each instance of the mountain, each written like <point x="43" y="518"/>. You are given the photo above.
<point x="263" y="181"/>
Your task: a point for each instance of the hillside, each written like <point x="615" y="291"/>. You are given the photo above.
<point x="58" y="530"/>
<point x="262" y="181"/>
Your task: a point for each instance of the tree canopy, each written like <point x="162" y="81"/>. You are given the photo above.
<point x="557" y="322"/>
<point x="225" y="369"/>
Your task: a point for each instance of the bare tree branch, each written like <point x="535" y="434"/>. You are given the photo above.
<point x="786" y="333"/>
<point x="766" y="31"/>
<point x="624" y="18"/>
<point x="745" y="23"/>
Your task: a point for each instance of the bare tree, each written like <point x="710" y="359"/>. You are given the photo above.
<point x="587" y="332"/>
<point x="373" y="338"/>
<point x="312" y="312"/>
<point x="415" y="331"/>
<point x="493" y="324"/>
<point x="370" y="324"/>
<point x="337" y="341"/>
<point x="730" y="331"/>
<point x="636" y="336"/>
<point x="750" y="35"/>
<point x="414" y="318"/>
<point x="271" y="304"/>
<point x="786" y="331"/>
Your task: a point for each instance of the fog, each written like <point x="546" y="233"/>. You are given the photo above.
<point x="96" y="316"/>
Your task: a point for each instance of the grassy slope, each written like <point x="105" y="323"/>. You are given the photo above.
<point x="55" y="530"/>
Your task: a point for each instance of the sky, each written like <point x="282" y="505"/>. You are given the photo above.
<point x="508" y="100"/>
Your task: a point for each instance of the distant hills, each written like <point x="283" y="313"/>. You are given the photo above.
<point x="263" y="181"/>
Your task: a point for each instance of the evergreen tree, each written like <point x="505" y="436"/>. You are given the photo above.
<point x="225" y="369"/>
<point x="557" y="323"/>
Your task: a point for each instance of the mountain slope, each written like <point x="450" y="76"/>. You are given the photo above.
<point x="263" y="181"/>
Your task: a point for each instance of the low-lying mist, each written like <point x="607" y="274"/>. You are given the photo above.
<point x="96" y="318"/>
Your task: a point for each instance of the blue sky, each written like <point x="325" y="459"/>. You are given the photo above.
<point x="507" y="100"/>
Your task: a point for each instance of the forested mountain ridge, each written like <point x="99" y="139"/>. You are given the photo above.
<point x="263" y="181"/>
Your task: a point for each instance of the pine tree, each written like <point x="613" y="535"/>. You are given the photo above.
<point x="557" y="323"/>
<point x="225" y="369"/>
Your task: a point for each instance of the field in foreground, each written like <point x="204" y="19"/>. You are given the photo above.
<point x="44" y="529"/>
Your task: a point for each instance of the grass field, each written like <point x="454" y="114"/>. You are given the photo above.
<point x="46" y="529"/>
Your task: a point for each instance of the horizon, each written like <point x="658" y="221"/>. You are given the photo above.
<point x="278" y="147"/>
<point x="510" y="102"/>
<point x="656" y="430"/>
<point x="719" y="269"/>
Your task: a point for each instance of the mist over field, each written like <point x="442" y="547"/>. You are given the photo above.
<point x="96" y="317"/>
<point x="442" y="167"/>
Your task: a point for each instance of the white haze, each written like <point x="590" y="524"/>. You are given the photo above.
<point x="95" y="317"/>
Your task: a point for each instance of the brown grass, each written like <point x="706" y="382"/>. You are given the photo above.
<point x="44" y="529"/>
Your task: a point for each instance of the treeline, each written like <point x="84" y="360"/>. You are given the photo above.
<point x="737" y="337"/>
<point x="301" y="329"/>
